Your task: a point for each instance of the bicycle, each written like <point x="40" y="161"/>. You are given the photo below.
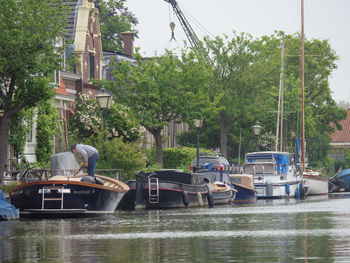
<point x="26" y="173"/>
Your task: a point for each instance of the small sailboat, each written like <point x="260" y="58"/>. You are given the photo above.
<point x="317" y="185"/>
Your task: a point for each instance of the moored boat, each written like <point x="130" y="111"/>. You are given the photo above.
<point x="167" y="189"/>
<point x="341" y="181"/>
<point x="68" y="195"/>
<point x="274" y="177"/>
<point x="316" y="184"/>
<point x="7" y="210"/>
<point x="221" y="188"/>
<point x="244" y="184"/>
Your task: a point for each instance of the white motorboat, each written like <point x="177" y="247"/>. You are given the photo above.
<point x="274" y="176"/>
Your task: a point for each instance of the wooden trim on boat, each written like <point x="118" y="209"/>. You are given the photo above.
<point x="118" y="185"/>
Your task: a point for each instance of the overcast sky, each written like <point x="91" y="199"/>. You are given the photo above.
<point x="324" y="19"/>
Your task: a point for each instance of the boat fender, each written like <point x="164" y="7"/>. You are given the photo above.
<point x="297" y="193"/>
<point x="269" y="188"/>
<point x="88" y="179"/>
<point x="185" y="199"/>
<point x="99" y="181"/>
<point x="200" y="200"/>
<point x="210" y="199"/>
<point x="301" y="191"/>
<point x="287" y="186"/>
<point x="210" y="196"/>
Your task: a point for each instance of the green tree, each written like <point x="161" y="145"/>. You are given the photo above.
<point x="118" y="154"/>
<point x="28" y="31"/>
<point x="48" y="125"/>
<point x="115" y="18"/>
<point x="234" y="85"/>
<point x="161" y="90"/>
<point x="320" y="109"/>
<point x="21" y="124"/>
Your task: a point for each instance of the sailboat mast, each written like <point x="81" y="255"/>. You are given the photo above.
<point x="280" y="103"/>
<point x="302" y="90"/>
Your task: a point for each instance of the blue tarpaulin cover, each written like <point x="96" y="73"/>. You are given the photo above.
<point x="7" y="211"/>
<point x="282" y="162"/>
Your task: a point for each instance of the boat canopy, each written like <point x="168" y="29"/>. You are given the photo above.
<point x="63" y="164"/>
<point x="280" y="160"/>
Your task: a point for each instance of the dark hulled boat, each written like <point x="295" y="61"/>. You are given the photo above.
<point x="167" y="189"/>
<point x="63" y="195"/>
<point x="244" y="184"/>
<point x="68" y="195"/>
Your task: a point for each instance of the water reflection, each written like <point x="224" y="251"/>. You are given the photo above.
<point x="270" y="231"/>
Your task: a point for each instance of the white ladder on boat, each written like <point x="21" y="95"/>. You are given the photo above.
<point x="47" y="190"/>
<point x="153" y="190"/>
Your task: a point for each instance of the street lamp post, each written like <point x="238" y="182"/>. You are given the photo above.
<point x="104" y="99"/>
<point x="256" y="130"/>
<point x="198" y="124"/>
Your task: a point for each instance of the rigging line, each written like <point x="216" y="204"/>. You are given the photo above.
<point x="198" y="24"/>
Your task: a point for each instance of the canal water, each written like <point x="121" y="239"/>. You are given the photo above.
<point x="312" y="230"/>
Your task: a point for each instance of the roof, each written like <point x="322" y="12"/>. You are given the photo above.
<point x="342" y="136"/>
<point x="71" y="16"/>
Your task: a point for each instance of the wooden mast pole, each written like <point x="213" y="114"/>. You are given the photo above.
<point x="302" y="90"/>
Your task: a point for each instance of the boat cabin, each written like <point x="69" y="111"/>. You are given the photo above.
<point x="267" y="163"/>
<point x="177" y="176"/>
<point x="246" y="180"/>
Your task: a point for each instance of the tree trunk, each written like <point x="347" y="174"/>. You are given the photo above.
<point x="5" y="123"/>
<point x="159" y="146"/>
<point x="157" y="134"/>
<point x="224" y="128"/>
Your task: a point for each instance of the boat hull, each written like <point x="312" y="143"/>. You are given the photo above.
<point x="173" y="195"/>
<point x="244" y="195"/>
<point x="165" y="193"/>
<point x="316" y="185"/>
<point x="64" y="198"/>
<point x="278" y="189"/>
<point x="224" y="197"/>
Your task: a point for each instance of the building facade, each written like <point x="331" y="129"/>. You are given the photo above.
<point x="341" y="140"/>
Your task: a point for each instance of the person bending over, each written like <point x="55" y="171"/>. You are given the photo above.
<point x="89" y="155"/>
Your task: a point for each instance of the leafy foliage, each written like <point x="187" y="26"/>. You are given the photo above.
<point x="87" y="121"/>
<point x="161" y="90"/>
<point x="47" y="127"/>
<point x="20" y="126"/>
<point x="117" y="154"/>
<point x="28" y="31"/>
<point x="178" y="158"/>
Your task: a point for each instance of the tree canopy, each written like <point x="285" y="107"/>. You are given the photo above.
<point x="161" y="90"/>
<point x="29" y="30"/>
